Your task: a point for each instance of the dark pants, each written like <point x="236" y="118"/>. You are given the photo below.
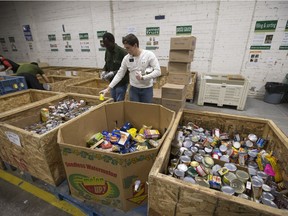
<point x="32" y="81"/>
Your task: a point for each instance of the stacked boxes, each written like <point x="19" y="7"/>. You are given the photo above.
<point x="180" y="57"/>
<point x="173" y="96"/>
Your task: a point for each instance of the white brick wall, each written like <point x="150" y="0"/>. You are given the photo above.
<point x="224" y="31"/>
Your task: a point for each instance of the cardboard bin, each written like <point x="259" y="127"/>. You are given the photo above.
<point x="38" y="155"/>
<point x="12" y="102"/>
<point x="106" y="177"/>
<point x="171" y="196"/>
<point x="91" y="86"/>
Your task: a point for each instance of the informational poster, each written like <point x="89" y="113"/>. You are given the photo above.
<point x="152" y="42"/>
<point x="12" y="43"/>
<point x="27" y="32"/>
<point x="84" y="42"/>
<point x="263" y="37"/>
<point x="100" y="37"/>
<point x="131" y="30"/>
<point x="53" y="44"/>
<point x="284" y="43"/>
<point x="3" y="45"/>
<point x="184" y="30"/>
<point x="68" y="45"/>
<point x="254" y="57"/>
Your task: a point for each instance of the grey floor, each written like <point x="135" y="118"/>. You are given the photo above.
<point x="15" y="201"/>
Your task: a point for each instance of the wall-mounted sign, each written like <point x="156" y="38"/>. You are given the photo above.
<point x="184" y="30"/>
<point x="100" y="36"/>
<point x="12" y="42"/>
<point x="52" y="37"/>
<point x="152" y="31"/>
<point x="27" y="32"/>
<point x="66" y="37"/>
<point x="284" y="43"/>
<point x="83" y="36"/>
<point x="263" y="34"/>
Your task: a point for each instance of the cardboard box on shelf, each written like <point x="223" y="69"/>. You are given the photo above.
<point x="178" y="67"/>
<point x="109" y="178"/>
<point x="183" y="43"/>
<point x="180" y="78"/>
<point x="157" y="96"/>
<point x="181" y="56"/>
<point x="173" y="91"/>
<point x="174" y="105"/>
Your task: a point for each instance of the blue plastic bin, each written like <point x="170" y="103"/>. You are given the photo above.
<point x="10" y="84"/>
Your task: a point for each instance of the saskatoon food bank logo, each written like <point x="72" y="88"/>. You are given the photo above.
<point x="93" y="186"/>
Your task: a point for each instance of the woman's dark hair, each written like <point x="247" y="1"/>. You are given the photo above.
<point x="130" y="39"/>
<point x="34" y="63"/>
<point x="109" y="37"/>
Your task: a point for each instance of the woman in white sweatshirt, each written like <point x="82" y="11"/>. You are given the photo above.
<point x="143" y="67"/>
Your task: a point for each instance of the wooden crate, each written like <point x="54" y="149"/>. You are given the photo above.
<point x="91" y="86"/>
<point x="191" y="88"/>
<point x="10" y="103"/>
<point x="73" y="71"/>
<point x="171" y="196"/>
<point x="38" y="155"/>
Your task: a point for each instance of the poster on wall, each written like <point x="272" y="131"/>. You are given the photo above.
<point x="84" y="43"/>
<point x="284" y="43"/>
<point x="53" y="44"/>
<point x="12" y="43"/>
<point x="152" y="42"/>
<point x="131" y="30"/>
<point x="3" y="45"/>
<point x="27" y="32"/>
<point x="100" y="38"/>
<point x="68" y="45"/>
<point x="184" y="30"/>
<point x="264" y="32"/>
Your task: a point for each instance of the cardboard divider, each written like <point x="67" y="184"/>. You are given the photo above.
<point x="108" y="178"/>
<point x="171" y="196"/>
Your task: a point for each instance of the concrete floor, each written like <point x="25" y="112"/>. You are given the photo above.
<point x="15" y="201"/>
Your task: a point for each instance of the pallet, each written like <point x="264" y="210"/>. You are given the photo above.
<point x="62" y="192"/>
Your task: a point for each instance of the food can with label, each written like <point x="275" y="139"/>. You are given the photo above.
<point x="44" y="114"/>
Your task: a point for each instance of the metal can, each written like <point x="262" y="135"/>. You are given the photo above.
<point x="44" y="114"/>
<point x="238" y="186"/>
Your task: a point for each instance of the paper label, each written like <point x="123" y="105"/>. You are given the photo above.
<point x="68" y="73"/>
<point x="14" y="138"/>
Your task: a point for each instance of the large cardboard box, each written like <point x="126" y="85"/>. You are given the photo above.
<point x="183" y="43"/>
<point x="180" y="78"/>
<point x="10" y="103"/>
<point x="191" y="88"/>
<point x="157" y="96"/>
<point x="181" y="56"/>
<point x="106" y="177"/>
<point x="173" y="91"/>
<point x="91" y="86"/>
<point x="174" y="105"/>
<point x="171" y="196"/>
<point x="38" y="155"/>
<point x="178" y="67"/>
<point x="73" y="71"/>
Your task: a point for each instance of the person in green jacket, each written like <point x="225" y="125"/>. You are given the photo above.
<point x="30" y="72"/>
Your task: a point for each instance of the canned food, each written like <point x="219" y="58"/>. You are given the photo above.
<point x="192" y="172"/>
<point x="243" y="196"/>
<point x="269" y="203"/>
<point x="236" y="145"/>
<point x="230" y="166"/>
<point x="201" y="181"/>
<point x="208" y="161"/>
<point x="228" y="178"/>
<point x="223" y="148"/>
<point x="242" y="175"/>
<point x="267" y="195"/>
<point x="252" y="137"/>
<point x="238" y="186"/>
<point x="262" y="175"/>
<point x="201" y="170"/>
<point x="257" y="186"/>
<point x="189" y="179"/>
<point x="266" y="188"/>
<point x="187" y="143"/>
<point x="194" y="164"/>
<point x="185" y="159"/>
<point x="228" y="190"/>
<point x="174" y="162"/>
<point x="198" y="157"/>
<point x="44" y="114"/>
<point x="182" y="167"/>
<point x="179" y="174"/>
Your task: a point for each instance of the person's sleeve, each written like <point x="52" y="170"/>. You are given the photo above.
<point x="7" y="64"/>
<point x="154" y="63"/>
<point x="40" y="71"/>
<point x="120" y="74"/>
<point x="105" y="66"/>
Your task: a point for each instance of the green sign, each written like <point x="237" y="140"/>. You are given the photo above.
<point x="283" y="48"/>
<point x="151" y="48"/>
<point x="66" y="37"/>
<point x="260" y="47"/>
<point x="52" y="37"/>
<point x="152" y="31"/>
<point x="54" y="50"/>
<point x="266" y="26"/>
<point x="184" y="30"/>
<point x="83" y="36"/>
<point x="100" y="34"/>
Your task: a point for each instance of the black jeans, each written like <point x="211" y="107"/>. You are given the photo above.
<point x="32" y="81"/>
